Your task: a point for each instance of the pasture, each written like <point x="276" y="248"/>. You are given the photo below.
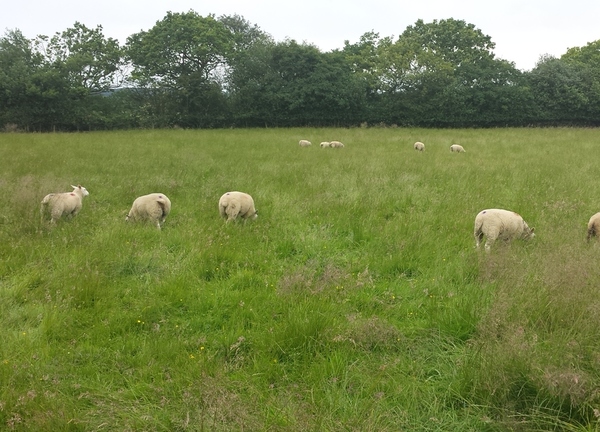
<point x="356" y="301"/>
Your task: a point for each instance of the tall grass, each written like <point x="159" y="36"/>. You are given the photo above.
<point x="356" y="300"/>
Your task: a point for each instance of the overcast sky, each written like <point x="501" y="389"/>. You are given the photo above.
<point x="522" y="30"/>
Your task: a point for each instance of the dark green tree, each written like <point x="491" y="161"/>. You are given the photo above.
<point x="560" y="92"/>
<point x="291" y="84"/>
<point x="91" y="62"/>
<point x="367" y="60"/>
<point x="87" y="64"/>
<point x="19" y="63"/>
<point x="587" y="60"/>
<point x="181" y="60"/>
<point x="444" y="73"/>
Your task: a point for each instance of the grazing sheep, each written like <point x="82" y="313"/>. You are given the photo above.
<point x="498" y="223"/>
<point x="593" y="228"/>
<point x="336" y="144"/>
<point x="237" y="204"/>
<point x="63" y="204"/>
<point x="325" y="144"/>
<point x="304" y="143"/>
<point x="419" y="146"/>
<point x="455" y="148"/>
<point x="154" y="207"/>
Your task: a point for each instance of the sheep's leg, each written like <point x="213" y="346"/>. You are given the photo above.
<point x="478" y="238"/>
<point x="591" y="232"/>
<point x="233" y="211"/>
<point x="55" y="215"/>
<point x="489" y="243"/>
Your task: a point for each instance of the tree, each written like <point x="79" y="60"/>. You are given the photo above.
<point x="291" y="84"/>
<point x="244" y="34"/>
<point x="79" y="65"/>
<point x="88" y="59"/>
<point x="587" y="60"/>
<point x="181" y="56"/>
<point x="178" y="47"/>
<point x="19" y="62"/>
<point x="444" y="73"/>
<point x="366" y="59"/>
<point x="559" y="91"/>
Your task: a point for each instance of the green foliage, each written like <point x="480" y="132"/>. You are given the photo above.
<point x="356" y="300"/>
<point x="192" y="71"/>
<point x="180" y="57"/>
<point x="178" y="47"/>
<point x="295" y="84"/>
<point x="85" y="56"/>
<point x="561" y="93"/>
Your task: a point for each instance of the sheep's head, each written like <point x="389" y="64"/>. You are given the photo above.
<point x="84" y="191"/>
<point x="528" y="233"/>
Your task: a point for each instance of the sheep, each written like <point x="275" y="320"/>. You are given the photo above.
<point x="455" y="148"/>
<point x="325" y="144"/>
<point x="336" y="144"/>
<point x="65" y="204"/>
<point x="237" y="204"/>
<point x="304" y="143"/>
<point x="498" y="223"/>
<point x="593" y="228"/>
<point x="419" y="146"/>
<point x="154" y="207"/>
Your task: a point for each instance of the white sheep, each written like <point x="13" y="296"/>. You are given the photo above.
<point x="325" y="144"/>
<point x="154" y="208"/>
<point x="455" y="148"/>
<point x="64" y="204"/>
<point x="304" y="143"/>
<point x="419" y="146"/>
<point x="237" y="204"/>
<point x="336" y="144"/>
<point x="593" y="228"/>
<point x="500" y="224"/>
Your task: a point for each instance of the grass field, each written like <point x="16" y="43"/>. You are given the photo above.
<point x="355" y="302"/>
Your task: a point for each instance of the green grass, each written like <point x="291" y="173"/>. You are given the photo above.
<point x="356" y="301"/>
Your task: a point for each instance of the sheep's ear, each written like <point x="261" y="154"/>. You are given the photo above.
<point x="532" y="229"/>
<point x="74" y="187"/>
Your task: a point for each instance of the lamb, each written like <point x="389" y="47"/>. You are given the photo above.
<point x="304" y="143"/>
<point x="457" y="148"/>
<point x="65" y="204"/>
<point x="593" y="228"/>
<point x="336" y="144"/>
<point x="237" y="204"/>
<point x="419" y="146"/>
<point x="154" y="208"/>
<point x="498" y="223"/>
<point x="325" y="144"/>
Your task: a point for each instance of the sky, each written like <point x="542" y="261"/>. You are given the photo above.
<point x="523" y="30"/>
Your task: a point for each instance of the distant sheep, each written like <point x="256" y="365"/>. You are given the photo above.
<point x="325" y="144"/>
<point x="593" y="228"/>
<point x="419" y="146"/>
<point x="64" y="204"/>
<point x="500" y="224"/>
<point x="233" y="205"/>
<point x="336" y="144"/>
<point x="455" y="148"/>
<point x="154" y="208"/>
<point x="304" y="143"/>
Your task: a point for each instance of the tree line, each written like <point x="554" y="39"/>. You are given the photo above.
<point x="194" y="71"/>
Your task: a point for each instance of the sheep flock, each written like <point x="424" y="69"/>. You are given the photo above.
<point x="153" y="208"/>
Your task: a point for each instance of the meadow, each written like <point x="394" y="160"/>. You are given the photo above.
<point x="355" y="302"/>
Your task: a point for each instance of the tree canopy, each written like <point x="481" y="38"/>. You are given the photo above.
<point x="190" y="70"/>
